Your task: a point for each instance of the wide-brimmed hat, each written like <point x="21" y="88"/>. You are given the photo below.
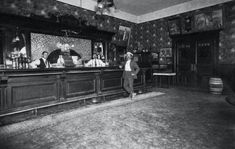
<point x="129" y="53"/>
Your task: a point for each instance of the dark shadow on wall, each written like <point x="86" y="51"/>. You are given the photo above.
<point x="54" y="55"/>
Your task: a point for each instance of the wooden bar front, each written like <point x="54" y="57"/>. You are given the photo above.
<point x="25" y="90"/>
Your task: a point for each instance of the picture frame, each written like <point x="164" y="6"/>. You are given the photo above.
<point x="124" y="34"/>
<point x="202" y="21"/>
<point x="98" y="49"/>
<point x="174" y="26"/>
<point x="217" y="18"/>
<point x="209" y="20"/>
<point x="187" y="24"/>
<point x="166" y="52"/>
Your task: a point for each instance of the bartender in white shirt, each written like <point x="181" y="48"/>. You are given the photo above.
<point x="42" y="62"/>
<point x="95" y="62"/>
<point x="60" y="60"/>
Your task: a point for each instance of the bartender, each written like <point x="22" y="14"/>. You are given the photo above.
<point x="42" y="62"/>
<point x="95" y="62"/>
<point x="65" y="59"/>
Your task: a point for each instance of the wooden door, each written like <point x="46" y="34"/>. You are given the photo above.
<point x="185" y="56"/>
<point x="196" y="56"/>
<point x="204" y="57"/>
<point x="186" y="60"/>
<point x="1" y="48"/>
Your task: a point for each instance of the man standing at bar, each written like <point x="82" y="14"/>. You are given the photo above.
<point x="95" y="62"/>
<point x="130" y="72"/>
<point x="42" y="62"/>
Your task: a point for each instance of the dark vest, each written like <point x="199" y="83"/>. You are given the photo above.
<point x="42" y="64"/>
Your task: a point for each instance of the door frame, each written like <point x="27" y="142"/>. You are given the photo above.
<point x="193" y="38"/>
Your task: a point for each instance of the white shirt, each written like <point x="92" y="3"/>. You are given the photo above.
<point x="60" y="61"/>
<point x="95" y="63"/>
<point x="37" y="62"/>
<point x="128" y="66"/>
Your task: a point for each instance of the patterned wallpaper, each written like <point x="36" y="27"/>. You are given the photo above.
<point x="227" y="37"/>
<point x="42" y="42"/>
<point x="46" y="8"/>
<point x="152" y="35"/>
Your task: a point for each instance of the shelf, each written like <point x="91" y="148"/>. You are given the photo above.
<point x="165" y="56"/>
<point x="142" y="52"/>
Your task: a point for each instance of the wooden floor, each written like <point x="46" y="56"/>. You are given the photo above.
<point x="180" y="118"/>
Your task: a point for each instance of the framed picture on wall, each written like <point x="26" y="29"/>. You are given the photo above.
<point x="165" y="52"/>
<point x="174" y="26"/>
<point x="165" y="56"/>
<point x="124" y="34"/>
<point x="203" y="21"/>
<point x="209" y="20"/>
<point x="217" y="18"/>
<point x="99" y="50"/>
<point x="187" y="24"/>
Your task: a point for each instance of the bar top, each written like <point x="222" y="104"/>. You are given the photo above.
<point x="59" y="69"/>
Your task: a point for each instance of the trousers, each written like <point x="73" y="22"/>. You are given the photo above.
<point x="128" y="82"/>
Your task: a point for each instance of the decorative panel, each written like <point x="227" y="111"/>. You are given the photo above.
<point x="30" y="94"/>
<point x="139" y="80"/>
<point x="1" y="98"/>
<point x="80" y="87"/>
<point x="111" y="80"/>
<point x="111" y="83"/>
<point x="148" y="76"/>
<point x="42" y="42"/>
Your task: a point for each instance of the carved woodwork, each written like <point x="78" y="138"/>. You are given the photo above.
<point x="22" y="90"/>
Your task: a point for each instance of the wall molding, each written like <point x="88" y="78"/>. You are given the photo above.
<point x="167" y="12"/>
<point x="178" y="9"/>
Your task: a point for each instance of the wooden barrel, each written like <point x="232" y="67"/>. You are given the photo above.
<point x="216" y="85"/>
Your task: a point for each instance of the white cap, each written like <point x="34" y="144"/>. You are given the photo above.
<point x="129" y="53"/>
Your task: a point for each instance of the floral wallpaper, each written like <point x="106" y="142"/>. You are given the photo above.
<point x="47" y="8"/>
<point x="152" y="35"/>
<point x="227" y="37"/>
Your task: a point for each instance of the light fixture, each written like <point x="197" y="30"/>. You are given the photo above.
<point x="103" y="6"/>
<point x="16" y="38"/>
<point x="65" y="43"/>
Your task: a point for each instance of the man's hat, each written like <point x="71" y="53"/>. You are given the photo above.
<point x="129" y="53"/>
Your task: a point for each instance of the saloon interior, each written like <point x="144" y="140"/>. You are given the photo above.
<point x="185" y="87"/>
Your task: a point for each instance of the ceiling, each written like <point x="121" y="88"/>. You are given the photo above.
<point x="141" y="7"/>
<point x="139" y="11"/>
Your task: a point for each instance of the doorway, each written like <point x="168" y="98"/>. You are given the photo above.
<point x="196" y="57"/>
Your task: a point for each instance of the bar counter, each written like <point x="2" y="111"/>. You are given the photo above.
<point x="31" y="89"/>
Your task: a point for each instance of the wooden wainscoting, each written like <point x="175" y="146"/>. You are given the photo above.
<point x="111" y="80"/>
<point x="139" y="80"/>
<point x="26" y="90"/>
<point x="77" y="84"/>
<point x="30" y="90"/>
<point x="3" y="102"/>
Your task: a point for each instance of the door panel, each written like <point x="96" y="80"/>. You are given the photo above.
<point x="196" y="56"/>
<point x="186" y="56"/>
<point x="204" y="59"/>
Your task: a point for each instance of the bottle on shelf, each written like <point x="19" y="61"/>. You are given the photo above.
<point x="13" y="63"/>
<point x="20" y="62"/>
<point x="24" y="62"/>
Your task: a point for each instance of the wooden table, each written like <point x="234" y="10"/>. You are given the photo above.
<point x="168" y="75"/>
